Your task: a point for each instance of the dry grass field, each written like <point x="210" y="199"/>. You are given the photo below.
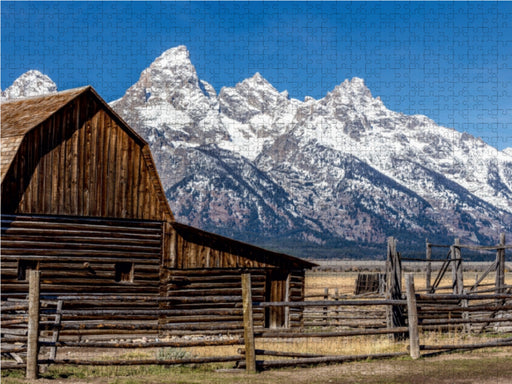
<point x="344" y="281"/>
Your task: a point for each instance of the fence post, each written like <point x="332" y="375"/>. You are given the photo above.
<point x="394" y="315"/>
<point x="500" y="266"/>
<point x="326" y="314"/>
<point x="465" y="315"/>
<point x="412" y="316"/>
<point x="457" y="275"/>
<point x="428" y="275"/>
<point x="250" y="352"/>
<point x="337" y="310"/>
<point x="33" y="324"/>
<point x="287" y="298"/>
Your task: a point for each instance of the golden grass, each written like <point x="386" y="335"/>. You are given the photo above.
<point x="317" y="281"/>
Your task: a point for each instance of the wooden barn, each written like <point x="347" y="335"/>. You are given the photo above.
<point x="82" y="202"/>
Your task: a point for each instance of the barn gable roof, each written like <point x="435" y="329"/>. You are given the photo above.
<point x="20" y="116"/>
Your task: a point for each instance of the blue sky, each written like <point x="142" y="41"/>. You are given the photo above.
<point x="451" y="61"/>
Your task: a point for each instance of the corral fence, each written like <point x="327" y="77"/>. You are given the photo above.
<point x="34" y="330"/>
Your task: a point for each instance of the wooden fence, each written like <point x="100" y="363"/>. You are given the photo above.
<point x="33" y="330"/>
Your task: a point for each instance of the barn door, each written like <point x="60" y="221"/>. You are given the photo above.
<point x="275" y="317"/>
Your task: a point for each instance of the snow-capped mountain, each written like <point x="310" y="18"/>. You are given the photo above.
<point x="310" y="177"/>
<point x="31" y="83"/>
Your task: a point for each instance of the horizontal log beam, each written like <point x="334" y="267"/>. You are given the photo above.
<point x="490" y="344"/>
<point x="263" y="352"/>
<point x="438" y="296"/>
<point x="338" y="303"/>
<point x="196" y="360"/>
<point x="159" y="344"/>
<point x="295" y="334"/>
<point x="322" y="360"/>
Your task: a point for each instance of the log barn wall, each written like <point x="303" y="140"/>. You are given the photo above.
<point x="209" y="265"/>
<point x="81" y="255"/>
<point x="83" y="203"/>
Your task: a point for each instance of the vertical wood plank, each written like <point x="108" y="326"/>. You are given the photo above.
<point x="250" y="352"/>
<point x="287" y="298"/>
<point x="81" y="149"/>
<point x="41" y="203"/>
<point x="69" y="164"/>
<point x="394" y="315"/>
<point x="129" y="178"/>
<point x="98" y="164"/>
<point x="62" y="182"/>
<point x="106" y="164"/>
<point x="33" y="325"/>
<point x="32" y="170"/>
<point x="89" y="152"/>
<point x="457" y="276"/>
<point x="500" y="266"/>
<point x="145" y="192"/>
<point x="428" y="275"/>
<point x="56" y="331"/>
<point x="136" y="182"/>
<point x="412" y="315"/>
<point x="123" y="173"/>
<point x="172" y="248"/>
<point x="112" y="163"/>
<point x="56" y="164"/>
<point x="74" y="161"/>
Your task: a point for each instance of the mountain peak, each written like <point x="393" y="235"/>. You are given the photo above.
<point x="355" y="85"/>
<point x="31" y="83"/>
<point x="173" y="57"/>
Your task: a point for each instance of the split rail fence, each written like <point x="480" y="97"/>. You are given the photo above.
<point x="34" y="331"/>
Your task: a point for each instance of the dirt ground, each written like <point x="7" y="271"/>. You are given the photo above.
<point x="489" y="367"/>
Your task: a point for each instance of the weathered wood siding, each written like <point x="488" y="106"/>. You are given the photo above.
<point x="193" y="248"/>
<point x="202" y="264"/>
<point x="79" y="255"/>
<point x="81" y="162"/>
<point x="207" y="299"/>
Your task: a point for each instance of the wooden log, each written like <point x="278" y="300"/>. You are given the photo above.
<point x="339" y="303"/>
<point x="441" y="272"/>
<point x="12" y="365"/>
<point x="412" y="315"/>
<point x="33" y="325"/>
<point x="250" y="355"/>
<point x="479" y="308"/>
<point x="287" y="298"/>
<point x="323" y="360"/>
<point x="149" y="344"/>
<point x="438" y="296"/>
<point x="326" y="297"/>
<point x="500" y="266"/>
<point x="457" y="273"/>
<point x="195" y="360"/>
<point x="495" y="343"/>
<point x="446" y="321"/>
<point x="265" y="352"/>
<point x="428" y="274"/>
<point x="394" y="315"/>
<point x="56" y="330"/>
<point x="295" y="334"/>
